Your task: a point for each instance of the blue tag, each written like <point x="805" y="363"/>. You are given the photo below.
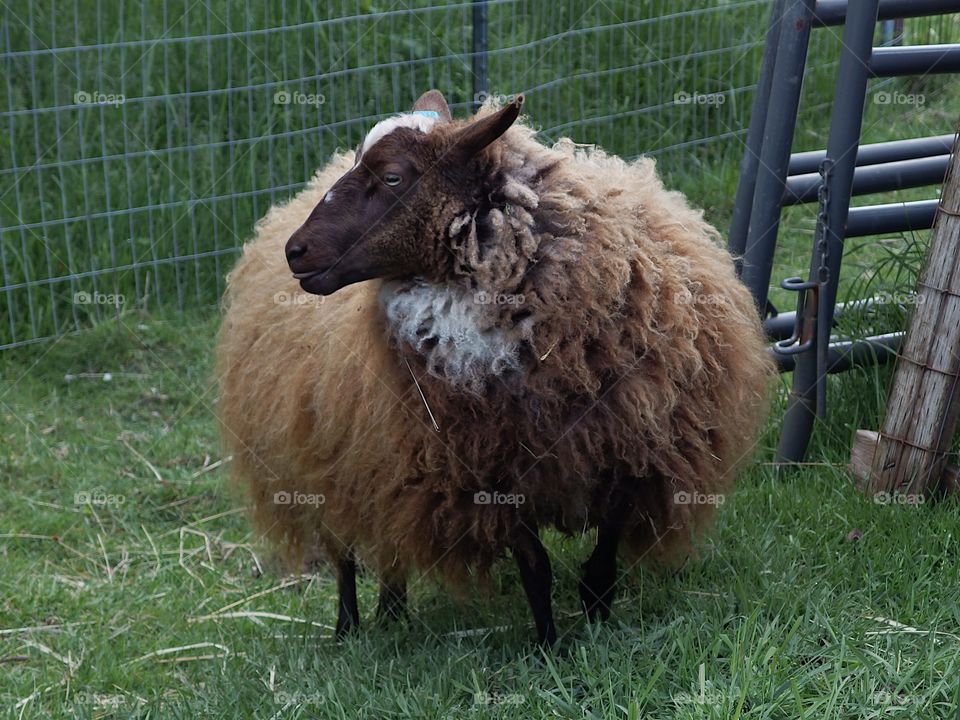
<point x="427" y="113"/>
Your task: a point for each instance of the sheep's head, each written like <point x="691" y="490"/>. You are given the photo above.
<point x="388" y="216"/>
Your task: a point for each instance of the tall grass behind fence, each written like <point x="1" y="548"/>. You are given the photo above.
<point x="636" y="78"/>
<point x="141" y="140"/>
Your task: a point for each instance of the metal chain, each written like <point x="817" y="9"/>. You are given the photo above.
<point x="823" y="221"/>
<point x="823" y="277"/>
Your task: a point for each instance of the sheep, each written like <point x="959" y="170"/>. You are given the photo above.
<point x="456" y="337"/>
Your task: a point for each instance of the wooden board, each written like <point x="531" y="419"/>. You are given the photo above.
<point x="909" y="454"/>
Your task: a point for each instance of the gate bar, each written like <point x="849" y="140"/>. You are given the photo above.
<point x="740" y="220"/>
<point x="915" y="60"/>
<point x="808" y="395"/>
<point x="808" y="162"/>
<point x="764" y="218"/>
<point x="834" y="12"/>
<point x="868" y="179"/>
<point x="846" y="354"/>
<point x="891" y="218"/>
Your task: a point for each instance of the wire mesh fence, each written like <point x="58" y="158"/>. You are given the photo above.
<point x="140" y="141"/>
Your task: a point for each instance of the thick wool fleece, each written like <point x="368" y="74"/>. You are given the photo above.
<point x="591" y="352"/>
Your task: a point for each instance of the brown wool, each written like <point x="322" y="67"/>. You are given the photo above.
<point x="642" y="373"/>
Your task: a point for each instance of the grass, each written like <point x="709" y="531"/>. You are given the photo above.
<point x="144" y="203"/>
<point x="150" y="198"/>
<point x="106" y="605"/>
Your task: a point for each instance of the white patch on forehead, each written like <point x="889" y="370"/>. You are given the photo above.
<point x="423" y="123"/>
<point x="328" y="197"/>
<point x="451" y="328"/>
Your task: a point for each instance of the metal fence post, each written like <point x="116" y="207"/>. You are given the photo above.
<point x="764" y="216"/>
<point x="808" y="396"/>
<point x="479" y="52"/>
<point x="743" y="201"/>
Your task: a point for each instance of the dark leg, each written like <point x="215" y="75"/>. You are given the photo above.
<point x="534" y="565"/>
<point x="600" y="575"/>
<point x="348" y="615"/>
<point x="393" y="600"/>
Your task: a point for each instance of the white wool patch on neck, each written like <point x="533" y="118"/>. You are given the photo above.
<point x="416" y="121"/>
<point x="451" y="328"/>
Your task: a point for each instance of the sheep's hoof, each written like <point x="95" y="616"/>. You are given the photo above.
<point x="345" y="627"/>
<point x="391" y="615"/>
<point x="596" y="603"/>
<point x="392" y="604"/>
<point x="547" y="636"/>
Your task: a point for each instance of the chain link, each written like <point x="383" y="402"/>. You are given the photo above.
<point x="823" y="221"/>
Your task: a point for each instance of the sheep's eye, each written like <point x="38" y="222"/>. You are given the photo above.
<point x="392" y="179"/>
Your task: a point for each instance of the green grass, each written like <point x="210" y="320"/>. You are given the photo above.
<point x="104" y="606"/>
<point x="784" y="616"/>
<point x="150" y="199"/>
<point x="167" y="185"/>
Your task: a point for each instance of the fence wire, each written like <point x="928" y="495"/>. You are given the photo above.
<point x="140" y="141"/>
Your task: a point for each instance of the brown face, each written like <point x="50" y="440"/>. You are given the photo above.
<point x="381" y="218"/>
<point x="346" y="238"/>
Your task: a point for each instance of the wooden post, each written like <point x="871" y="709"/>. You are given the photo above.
<point x="909" y="453"/>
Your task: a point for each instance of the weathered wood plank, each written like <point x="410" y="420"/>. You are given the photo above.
<point x="861" y="462"/>
<point x="909" y="454"/>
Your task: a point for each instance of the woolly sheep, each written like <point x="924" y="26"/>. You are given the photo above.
<point x="456" y="337"/>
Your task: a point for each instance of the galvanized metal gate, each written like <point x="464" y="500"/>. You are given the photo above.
<point x="771" y="178"/>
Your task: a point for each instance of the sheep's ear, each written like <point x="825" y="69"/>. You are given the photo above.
<point x="480" y="133"/>
<point x="433" y="101"/>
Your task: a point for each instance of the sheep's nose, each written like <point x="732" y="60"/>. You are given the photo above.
<point x="295" y="250"/>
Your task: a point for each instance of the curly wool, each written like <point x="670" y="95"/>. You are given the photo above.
<point x="592" y="347"/>
<point x="448" y="328"/>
